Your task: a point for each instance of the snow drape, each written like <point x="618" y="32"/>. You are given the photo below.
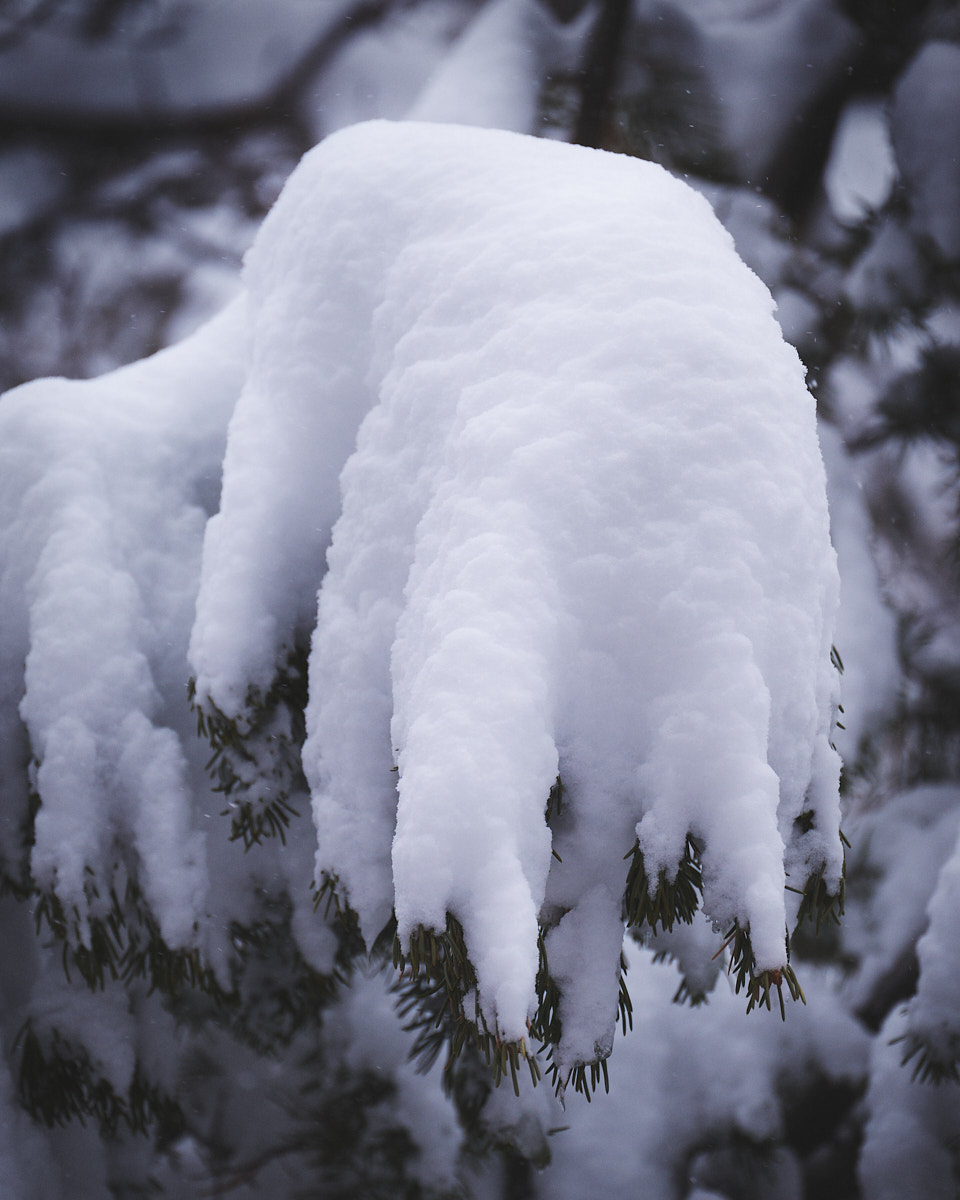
<point x="103" y="490"/>
<point x="520" y="414"/>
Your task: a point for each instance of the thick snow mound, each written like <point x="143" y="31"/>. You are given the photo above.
<point x="521" y="415"/>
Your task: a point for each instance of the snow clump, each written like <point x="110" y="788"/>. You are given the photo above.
<point x="521" y="417"/>
<point x="511" y="440"/>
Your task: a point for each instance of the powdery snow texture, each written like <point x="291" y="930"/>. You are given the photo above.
<point x="100" y="533"/>
<point x="580" y="527"/>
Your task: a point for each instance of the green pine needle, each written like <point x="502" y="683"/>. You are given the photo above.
<point x="673" y="900"/>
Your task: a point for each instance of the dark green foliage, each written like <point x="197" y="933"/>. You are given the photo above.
<point x="742" y="966"/>
<point x="547" y="1025"/>
<point x="559" y="103"/>
<point x="439" y="985"/>
<point x="437" y="990"/>
<point x="660" y="107"/>
<point x="818" y="903"/>
<point x="274" y="995"/>
<point x="255" y="762"/>
<point x="554" y="808"/>
<point x="585" y="1078"/>
<point x="922" y="403"/>
<point x="930" y="1063"/>
<point x="679" y="898"/>
<point x="554" y="801"/>
<point x="274" y="991"/>
<point x="344" y="920"/>
<point x="685" y="993"/>
<point x="547" y="1028"/>
<point x="58" y="1083"/>
<point x="673" y="900"/>
<point x="819" y="906"/>
<point x="353" y="1149"/>
<point x="674" y="121"/>
<point x="124" y="944"/>
<point x="15" y="877"/>
<point x="437" y="995"/>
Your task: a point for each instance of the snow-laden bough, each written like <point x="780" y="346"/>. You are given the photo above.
<point x="520" y="415"/>
<point x="103" y="486"/>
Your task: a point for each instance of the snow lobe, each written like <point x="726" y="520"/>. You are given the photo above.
<point x="100" y="531"/>
<point x="580" y="530"/>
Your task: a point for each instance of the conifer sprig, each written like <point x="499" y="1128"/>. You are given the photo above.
<point x="58" y="1083"/>
<point x="929" y="1063"/>
<point x="255" y="760"/>
<point x="124" y="943"/>
<point x="438" y="984"/>
<point x="672" y="900"/>
<point x="437" y="990"/>
<point x="758" y="985"/>
<point x="818" y="904"/>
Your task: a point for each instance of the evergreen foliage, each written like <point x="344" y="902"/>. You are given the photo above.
<point x="672" y="900"/>
<point x="125" y="944"/>
<point x="59" y="1083"/>
<point x="255" y="764"/>
<point x="929" y="1063"/>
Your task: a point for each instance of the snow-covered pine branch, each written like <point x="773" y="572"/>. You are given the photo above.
<point x="580" y="533"/>
<point x="522" y="419"/>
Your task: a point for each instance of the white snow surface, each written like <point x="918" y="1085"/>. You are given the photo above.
<point x="491" y="76"/>
<point x="381" y="69"/>
<point x="932" y="1012"/>
<point x="866" y="628"/>
<point x="100" y="533"/>
<point x="522" y="412"/>
<point x="925" y="127"/>
<point x="902" y="844"/>
<point x="862" y="169"/>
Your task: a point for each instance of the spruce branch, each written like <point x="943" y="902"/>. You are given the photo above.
<point x="58" y="1082"/>
<point x="930" y="1064"/>
<point x="438" y="984"/>
<point x="758" y="985"/>
<point x="672" y="900"/>
<point x="818" y="903"/>
<point x="255" y="757"/>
